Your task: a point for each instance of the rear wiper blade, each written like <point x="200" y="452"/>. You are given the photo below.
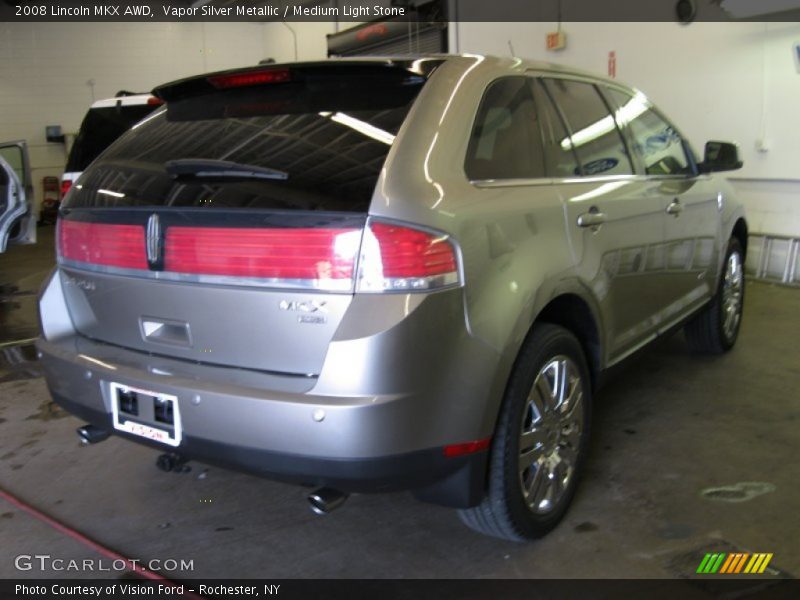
<point x="211" y="168"/>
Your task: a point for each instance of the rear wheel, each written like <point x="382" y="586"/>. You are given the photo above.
<point x="716" y="328"/>
<point x="540" y="441"/>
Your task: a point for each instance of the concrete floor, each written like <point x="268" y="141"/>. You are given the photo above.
<point x="667" y="428"/>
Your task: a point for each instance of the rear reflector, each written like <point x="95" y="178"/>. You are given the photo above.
<point x="466" y="448"/>
<point x="399" y="258"/>
<point x="119" y="246"/>
<point x="250" y="78"/>
<point x="303" y="257"/>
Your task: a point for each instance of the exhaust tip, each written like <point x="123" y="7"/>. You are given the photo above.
<point x="89" y="434"/>
<point x="325" y="500"/>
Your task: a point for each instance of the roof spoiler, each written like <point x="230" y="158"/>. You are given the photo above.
<point x="275" y="74"/>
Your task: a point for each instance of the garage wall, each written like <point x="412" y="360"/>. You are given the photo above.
<point x="734" y="81"/>
<point x="45" y="67"/>
<point x="311" y="40"/>
<point x="718" y="80"/>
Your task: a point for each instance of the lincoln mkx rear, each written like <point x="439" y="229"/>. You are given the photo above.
<point x="365" y="276"/>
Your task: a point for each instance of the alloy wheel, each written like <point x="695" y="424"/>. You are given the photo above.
<point x="550" y="438"/>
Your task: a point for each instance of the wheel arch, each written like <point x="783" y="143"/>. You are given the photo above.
<point x="573" y="313"/>
<point x="566" y="306"/>
<point x="739" y="231"/>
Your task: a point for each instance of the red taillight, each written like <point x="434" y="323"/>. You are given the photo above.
<point x="100" y="244"/>
<point x="398" y="258"/>
<point x="234" y="80"/>
<point x="305" y="257"/>
<point x="153" y="101"/>
<point x="466" y="448"/>
<point x="66" y="186"/>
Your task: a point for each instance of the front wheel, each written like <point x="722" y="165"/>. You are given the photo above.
<point x="540" y="441"/>
<point x="716" y="328"/>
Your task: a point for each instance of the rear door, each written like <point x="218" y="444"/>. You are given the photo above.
<point x="225" y="228"/>
<point x="687" y="262"/>
<point x="17" y="221"/>
<point x="613" y="220"/>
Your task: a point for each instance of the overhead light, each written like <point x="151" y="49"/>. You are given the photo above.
<point x="634" y="108"/>
<point x="110" y="193"/>
<point x="376" y="133"/>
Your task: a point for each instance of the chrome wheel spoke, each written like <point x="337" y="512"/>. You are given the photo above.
<point x="527" y="459"/>
<point x="573" y="402"/>
<point x="542" y="487"/>
<point x="531" y="439"/>
<point x="535" y="485"/>
<point x="546" y="391"/>
<point x="557" y="483"/>
<point x="562" y="384"/>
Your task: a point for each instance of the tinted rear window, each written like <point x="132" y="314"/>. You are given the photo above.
<point x="328" y="134"/>
<point x="506" y="142"/>
<point x="100" y="128"/>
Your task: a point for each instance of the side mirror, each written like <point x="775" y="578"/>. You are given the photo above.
<point x="720" y="156"/>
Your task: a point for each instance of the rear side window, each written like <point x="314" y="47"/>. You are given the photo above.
<point x="99" y="129"/>
<point x="656" y="142"/>
<point x="506" y="142"/>
<point x="315" y="143"/>
<point x="594" y="134"/>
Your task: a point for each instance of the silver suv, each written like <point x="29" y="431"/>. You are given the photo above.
<point x="375" y="275"/>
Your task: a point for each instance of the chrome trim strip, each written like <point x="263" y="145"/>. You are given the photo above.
<point x="153" y="238"/>
<point x="341" y="286"/>
<point x="540" y="181"/>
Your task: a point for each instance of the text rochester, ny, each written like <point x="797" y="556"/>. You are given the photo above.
<point x="146" y="589"/>
<point x="179" y="12"/>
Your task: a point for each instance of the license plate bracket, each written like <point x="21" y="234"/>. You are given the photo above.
<point x="145" y="413"/>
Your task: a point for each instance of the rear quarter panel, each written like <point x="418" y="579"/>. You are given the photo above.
<point x="512" y="238"/>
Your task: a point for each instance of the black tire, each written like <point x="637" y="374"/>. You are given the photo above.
<point x="504" y="512"/>
<point x="708" y="332"/>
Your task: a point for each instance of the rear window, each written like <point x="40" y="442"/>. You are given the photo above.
<point x="100" y="128"/>
<point x="324" y="136"/>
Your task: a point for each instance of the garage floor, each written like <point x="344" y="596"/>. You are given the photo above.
<point x="668" y="430"/>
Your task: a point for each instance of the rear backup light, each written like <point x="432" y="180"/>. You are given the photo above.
<point x="399" y="258"/>
<point x="250" y="78"/>
<point x="119" y="246"/>
<point x="304" y="257"/>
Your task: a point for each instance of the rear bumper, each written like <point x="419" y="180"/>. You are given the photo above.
<point x="264" y="424"/>
<point x="427" y="472"/>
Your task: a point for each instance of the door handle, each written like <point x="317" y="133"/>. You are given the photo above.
<point x="674" y="208"/>
<point x="593" y="218"/>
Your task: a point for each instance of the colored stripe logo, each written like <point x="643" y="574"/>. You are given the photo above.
<point x="734" y="563"/>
